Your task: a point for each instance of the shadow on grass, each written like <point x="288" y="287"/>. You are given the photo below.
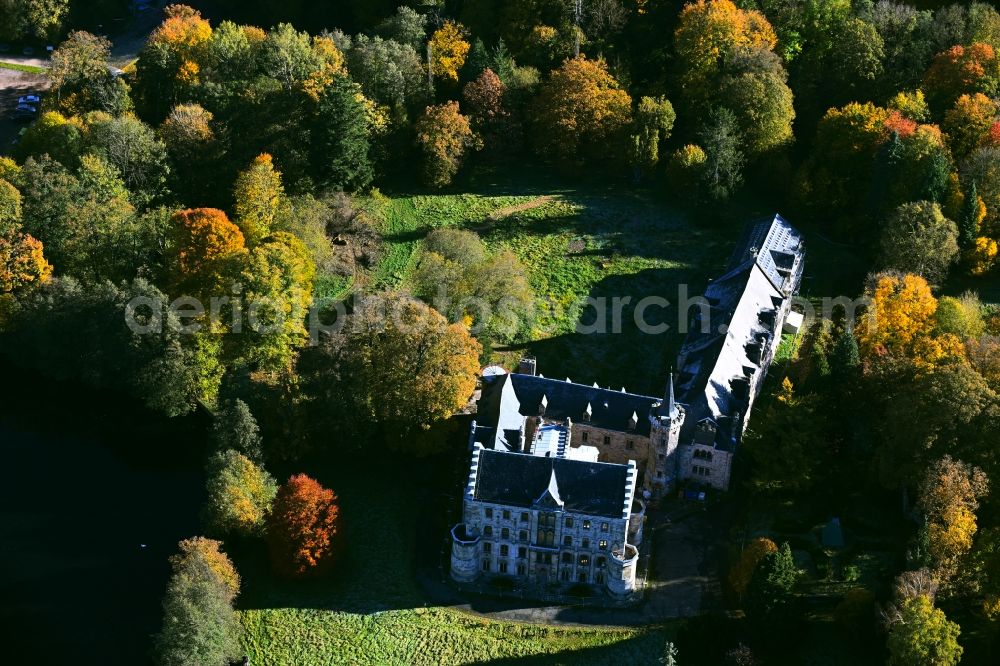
<point x="613" y="350"/>
<point x="646" y="648"/>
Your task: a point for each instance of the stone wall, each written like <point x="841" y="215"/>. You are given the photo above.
<point x="718" y="463"/>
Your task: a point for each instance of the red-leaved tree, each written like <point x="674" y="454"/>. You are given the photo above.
<point x="303" y="527"/>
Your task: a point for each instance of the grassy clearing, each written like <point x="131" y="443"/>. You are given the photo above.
<point x="406" y="220"/>
<point x="31" y="69"/>
<point x="574" y="245"/>
<point x="431" y="636"/>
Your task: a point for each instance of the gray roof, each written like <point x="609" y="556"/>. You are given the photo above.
<point x="520" y="479"/>
<point x="744" y="307"/>
<point x="507" y="399"/>
<point x="774" y="244"/>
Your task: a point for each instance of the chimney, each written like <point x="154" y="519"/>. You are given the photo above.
<point x="527" y="366"/>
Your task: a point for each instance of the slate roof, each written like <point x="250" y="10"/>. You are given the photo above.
<point x="506" y="399"/>
<point x="774" y="244"/>
<point x="764" y="270"/>
<point x="519" y="479"/>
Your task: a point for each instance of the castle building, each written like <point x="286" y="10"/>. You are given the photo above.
<point x="561" y="471"/>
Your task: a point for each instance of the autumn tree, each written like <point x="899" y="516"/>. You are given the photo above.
<point x="949" y="496"/>
<point x="653" y="122"/>
<point x="171" y="60"/>
<point x="958" y="71"/>
<point x="400" y="366"/>
<point x="968" y="122"/>
<point x="961" y="316"/>
<point x="303" y="527"/>
<point x="239" y="494"/>
<point x="199" y="622"/>
<point x="840" y="165"/>
<point x="743" y="571"/>
<point x="443" y="135"/>
<point x="485" y="98"/>
<point x="924" y="636"/>
<point x="899" y="321"/>
<point x="193" y="148"/>
<point x="708" y="32"/>
<point x="22" y="262"/>
<point x="203" y="244"/>
<point x="277" y="277"/>
<point x="55" y="135"/>
<point x="581" y="111"/>
<point x="917" y="238"/>
<point x="448" y="48"/>
<point x="258" y="193"/>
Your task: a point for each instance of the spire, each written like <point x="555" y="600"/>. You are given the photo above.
<point x="671" y="405"/>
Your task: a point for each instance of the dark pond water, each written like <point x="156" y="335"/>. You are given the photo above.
<point x="91" y="505"/>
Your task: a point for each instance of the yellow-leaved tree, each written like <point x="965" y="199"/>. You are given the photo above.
<point x="949" y="497"/>
<point x="448" y="48"/>
<point x="258" y="193"/>
<point x="900" y="322"/>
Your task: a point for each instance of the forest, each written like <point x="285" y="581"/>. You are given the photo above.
<point x="222" y="226"/>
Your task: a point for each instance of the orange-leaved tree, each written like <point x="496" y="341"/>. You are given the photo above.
<point x="304" y="527"/>
<point x="742" y="571"/>
<point x="203" y="241"/>
<point x="443" y="135"/>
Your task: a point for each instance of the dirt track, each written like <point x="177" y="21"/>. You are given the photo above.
<point x="13" y="84"/>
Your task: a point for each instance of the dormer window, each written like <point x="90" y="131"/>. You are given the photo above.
<point x="588" y="412"/>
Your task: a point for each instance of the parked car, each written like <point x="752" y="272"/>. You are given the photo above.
<point x="25" y="113"/>
<point x="30" y="99"/>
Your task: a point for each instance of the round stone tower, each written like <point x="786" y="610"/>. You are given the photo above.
<point x="621" y="570"/>
<point x="464" y="554"/>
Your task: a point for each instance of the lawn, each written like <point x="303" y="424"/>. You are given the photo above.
<point x="574" y="244"/>
<point x="431" y="636"/>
